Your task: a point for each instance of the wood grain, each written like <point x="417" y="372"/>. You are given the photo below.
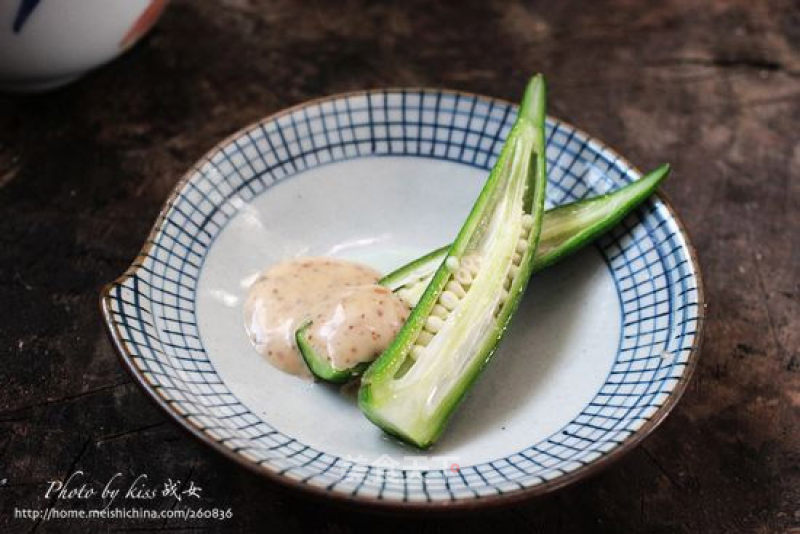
<point x="712" y="87"/>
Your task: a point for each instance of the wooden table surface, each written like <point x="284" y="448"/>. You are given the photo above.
<point x="712" y="87"/>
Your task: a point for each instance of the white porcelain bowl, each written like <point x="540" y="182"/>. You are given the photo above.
<point x="46" y="44"/>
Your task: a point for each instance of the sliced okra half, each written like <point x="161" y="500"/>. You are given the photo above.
<point x="320" y="364"/>
<point x="411" y="390"/>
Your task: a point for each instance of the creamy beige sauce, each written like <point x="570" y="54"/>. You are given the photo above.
<point x="353" y="318"/>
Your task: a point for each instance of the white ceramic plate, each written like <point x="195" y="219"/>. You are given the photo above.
<point x="599" y="352"/>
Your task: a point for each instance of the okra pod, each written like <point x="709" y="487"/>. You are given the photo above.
<point x="413" y="387"/>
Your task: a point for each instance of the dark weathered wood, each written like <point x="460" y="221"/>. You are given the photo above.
<point x="713" y="87"/>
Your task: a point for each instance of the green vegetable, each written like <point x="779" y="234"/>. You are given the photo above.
<point x="414" y="386"/>
<point x="565" y="229"/>
<point x="319" y="364"/>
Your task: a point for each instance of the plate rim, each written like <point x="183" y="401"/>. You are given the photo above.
<point x="479" y="501"/>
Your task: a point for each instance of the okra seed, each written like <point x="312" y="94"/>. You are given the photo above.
<point x="404" y="295"/>
<point x="424" y="338"/>
<point x="448" y="300"/>
<point x="434" y="324"/>
<point x="416" y="351"/>
<point x="439" y="311"/>
<point x="464" y="277"/>
<point x="456" y="288"/>
<point x="527" y="221"/>
<point x="522" y="246"/>
<point x="470" y="261"/>
<point x="452" y="263"/>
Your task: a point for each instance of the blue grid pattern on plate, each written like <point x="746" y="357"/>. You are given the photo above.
<point x="153" y="308"/>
